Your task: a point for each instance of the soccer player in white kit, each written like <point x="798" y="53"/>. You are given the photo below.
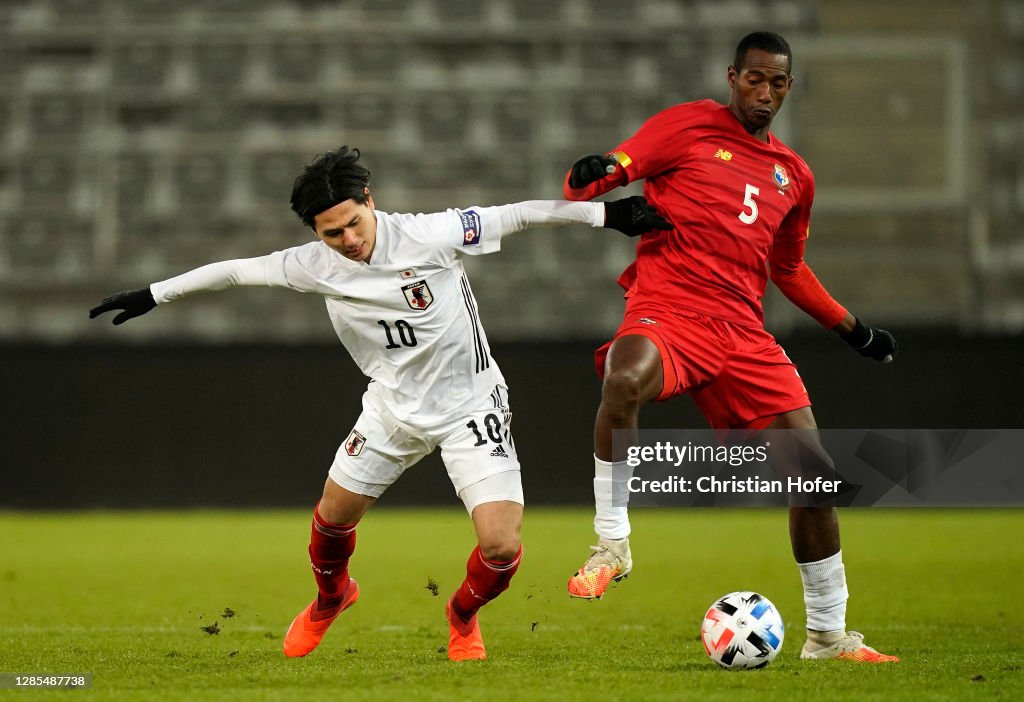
<point x="399" y="300"/>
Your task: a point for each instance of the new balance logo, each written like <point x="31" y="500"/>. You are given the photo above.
<point x="499" y="452"/>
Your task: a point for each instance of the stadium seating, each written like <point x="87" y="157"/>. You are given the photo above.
<point x="161" y="128"/>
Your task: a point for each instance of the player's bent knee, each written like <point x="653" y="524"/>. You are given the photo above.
<point x="626" y="386"/>
<point x="339" y="505"/>
<point x="499" y="549"/>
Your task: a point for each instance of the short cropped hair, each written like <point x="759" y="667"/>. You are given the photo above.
<point x="331" y="178"/>
<point x="765" y="41"/>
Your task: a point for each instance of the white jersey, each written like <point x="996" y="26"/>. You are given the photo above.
<point x="408" y="316"/>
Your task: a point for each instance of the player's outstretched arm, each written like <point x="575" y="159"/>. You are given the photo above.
<point x="487" y="225"/>
<point x="133" y="303"/>
<point x="279" y="269"/>
<point x="871" y="342"/>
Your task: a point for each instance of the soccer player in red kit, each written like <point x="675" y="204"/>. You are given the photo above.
<point x="740" y="202"/>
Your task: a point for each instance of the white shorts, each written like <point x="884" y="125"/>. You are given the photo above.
<point x="477" y="450"/>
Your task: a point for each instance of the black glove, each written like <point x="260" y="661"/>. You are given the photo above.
<point x="872" y="342"/>
<point x="135" y="303"/>
<point x="591" y="168"/>
<point x="633" y="216"/>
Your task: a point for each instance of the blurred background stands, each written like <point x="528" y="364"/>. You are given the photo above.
<point x="140" y="138"/>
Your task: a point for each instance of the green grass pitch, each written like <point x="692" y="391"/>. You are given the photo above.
<point x="124" y="596"/>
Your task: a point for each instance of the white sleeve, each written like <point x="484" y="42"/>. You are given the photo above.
<point x="279" y="269"/>
<point x="480" y="229"/>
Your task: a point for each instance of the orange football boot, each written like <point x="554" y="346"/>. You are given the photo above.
<point x="609" y="563"/>
<point x="464" y="640"/>
<point x="305" y="634"/>
<point x="850" y="647"/>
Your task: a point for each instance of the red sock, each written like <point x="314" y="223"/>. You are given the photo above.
<point x="484" y="581"/>
<point x="330" y="546"/>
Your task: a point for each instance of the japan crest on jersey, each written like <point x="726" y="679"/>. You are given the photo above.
<point x="354" y="443"/>
<point x="418" y="295"/>
<point x="780" y="177"/>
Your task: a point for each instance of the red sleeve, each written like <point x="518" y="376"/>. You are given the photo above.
<point x="649" y="152"/>
<point x="794" y="278"/>
<point x="791" y="274"/>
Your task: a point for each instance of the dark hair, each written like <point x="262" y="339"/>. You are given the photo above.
<point x="331" y="178"/>
<point x="765" y="41"/>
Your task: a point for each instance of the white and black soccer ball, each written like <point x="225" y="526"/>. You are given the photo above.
<point x="742" y="630"/>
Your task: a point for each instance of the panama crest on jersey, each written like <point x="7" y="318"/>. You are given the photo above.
<point x="418" y="295"/>
<point x="354" y="443"/>
<point x="780" y="177"/>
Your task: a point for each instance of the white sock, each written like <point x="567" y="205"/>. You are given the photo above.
<point x="611" y="497"/>
<point x="825" y="593"/>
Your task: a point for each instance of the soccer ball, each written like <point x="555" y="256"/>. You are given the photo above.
<point x="742" y="630"/>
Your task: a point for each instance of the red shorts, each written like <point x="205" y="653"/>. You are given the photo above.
<point x="739" y="376"/>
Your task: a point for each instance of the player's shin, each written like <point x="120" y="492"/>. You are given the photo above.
<point x="330" y="547"/>
<point x="485" y="580"/>
<point x="611" y="498"/>
<point x="825" y="594"/>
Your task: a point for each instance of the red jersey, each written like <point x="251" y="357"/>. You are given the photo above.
<point x="737" y="205"/>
